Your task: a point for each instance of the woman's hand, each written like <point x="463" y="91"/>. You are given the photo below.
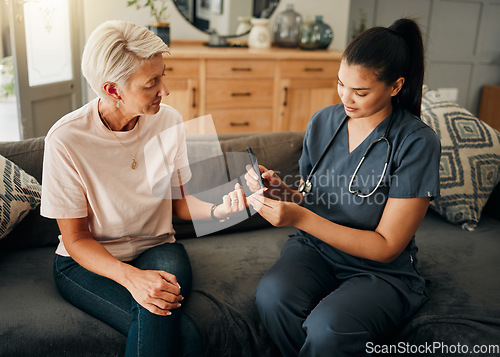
<point x="278" y="213"/>
<point x="232" y="203"/>
<point x="275" y="186"/>
<point x="155" y="290"/>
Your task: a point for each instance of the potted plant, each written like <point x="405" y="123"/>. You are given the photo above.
<point x="7" y="84"/>
<point x="158" y="9"/>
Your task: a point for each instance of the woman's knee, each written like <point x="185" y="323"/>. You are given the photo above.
<point x="163" y="256"/>
<point x="169" y="257"/>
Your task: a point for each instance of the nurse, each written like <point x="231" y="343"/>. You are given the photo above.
<point x="349" y="276"/>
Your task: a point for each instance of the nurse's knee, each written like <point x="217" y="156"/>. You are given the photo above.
<point x="334" y="332"/>
<point x="271" y="293"/>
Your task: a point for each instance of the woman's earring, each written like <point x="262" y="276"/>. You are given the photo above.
<point x="118" y="105"/>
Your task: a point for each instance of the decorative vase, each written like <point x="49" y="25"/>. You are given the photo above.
<point x="162" y="30"/>
<point x="307" y="36"/>
<point x="245" y="25"/>
<point x="286" y="27"/>
<point x="323" y="33"/>
<point x="259" y="34"/>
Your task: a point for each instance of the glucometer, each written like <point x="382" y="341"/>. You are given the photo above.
<point x="255" y="166"/>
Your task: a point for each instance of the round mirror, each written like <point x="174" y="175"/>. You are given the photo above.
<point x="225" y="18"/>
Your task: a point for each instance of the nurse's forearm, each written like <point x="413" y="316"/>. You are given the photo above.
<point x="360" y="243"/>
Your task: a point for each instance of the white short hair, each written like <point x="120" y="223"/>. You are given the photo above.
<point x="114" y="52"/>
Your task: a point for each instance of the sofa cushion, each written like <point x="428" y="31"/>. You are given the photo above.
<point x="37" y="321"/>
<point x="34" y="230"/>
<point x="460" y="268"/>
<point x="19" y="194"/>
<point x="226" y="271"/>
<point x="470" y="161"/>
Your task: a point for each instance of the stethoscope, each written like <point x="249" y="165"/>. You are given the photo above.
<point x="306" y="186"/>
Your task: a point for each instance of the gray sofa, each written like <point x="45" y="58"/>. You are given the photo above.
<point x="461" y="268"/>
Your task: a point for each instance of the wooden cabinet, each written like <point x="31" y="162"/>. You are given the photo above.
<point x="182" y="79"/>
<point x="246" y="90"/>
<point x="305" y="87"/>
<point x="489" y="108"/>
<point x="239" y="94"/>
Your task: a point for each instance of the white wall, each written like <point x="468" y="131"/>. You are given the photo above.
<point x="335" y="13"/>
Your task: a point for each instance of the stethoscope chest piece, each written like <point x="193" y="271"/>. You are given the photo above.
<point x="305" y="187"/>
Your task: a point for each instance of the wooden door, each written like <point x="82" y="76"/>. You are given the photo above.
<point x="46" y="50"/>
<point x="301" y="98"/>
<point x="184" y="96"/>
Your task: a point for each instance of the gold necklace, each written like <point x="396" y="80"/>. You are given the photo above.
<point x="134" y="163"/>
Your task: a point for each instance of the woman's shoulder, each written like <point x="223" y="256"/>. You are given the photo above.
<point x="412" y="129"/>
<point x="170" y="114"/>
<point x="331" y="115"/>
<point x="414" y="126"/>
<point x="71" y="122"/>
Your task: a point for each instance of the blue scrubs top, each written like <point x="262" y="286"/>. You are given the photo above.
<point x="413" y="171"/>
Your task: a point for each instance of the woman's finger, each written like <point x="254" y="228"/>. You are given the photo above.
<point x="251" y="179"/>
<point x="226" y="204"/>
<point x="251" y="172"/>
<point x="234" y="202"/>
<point x="255" y="203"/>
<point x="152" y="308"/>
<point x="240" y="194"/>
<point x="172" y="280"/>
<point x="163" y="304"/>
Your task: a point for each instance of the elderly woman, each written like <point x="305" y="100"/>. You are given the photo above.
<point x="117" y="258"/>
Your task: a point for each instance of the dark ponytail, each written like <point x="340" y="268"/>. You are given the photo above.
<point x="393" y="52"/>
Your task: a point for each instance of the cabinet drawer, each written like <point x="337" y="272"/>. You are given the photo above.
<point x="239" y="93"/>
<point x="181" y="68"/>
<point x="240" y="69"/>
<point x="242" y="121"/>
<point x="309" y="69"/>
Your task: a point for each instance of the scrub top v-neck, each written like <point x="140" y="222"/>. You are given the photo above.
<point x="413" y="171"/>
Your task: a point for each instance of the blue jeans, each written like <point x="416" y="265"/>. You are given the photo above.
<point x="147" y="334"/>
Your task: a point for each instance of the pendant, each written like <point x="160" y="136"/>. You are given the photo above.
<point x="134" y="164"/>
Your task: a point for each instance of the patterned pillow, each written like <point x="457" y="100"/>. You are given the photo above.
<point x="19" y="193"/>
<point x="470" y="160"/>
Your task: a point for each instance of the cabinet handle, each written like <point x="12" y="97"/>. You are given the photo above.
<point x="247" y="94"/>
<point x="170" y="69"/>
<point x="194" y="97"/>
<point x="285" y="102"/>
<point x="245" y="123"/>
<point x="313" y="69"/>
<point x="236" y="69"/>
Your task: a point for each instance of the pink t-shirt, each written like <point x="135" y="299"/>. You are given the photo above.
<point x="87" y="173"/>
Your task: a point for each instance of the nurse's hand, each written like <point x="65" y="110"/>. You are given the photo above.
<point x="278" y="213"/>
<point x="276" y="188"/>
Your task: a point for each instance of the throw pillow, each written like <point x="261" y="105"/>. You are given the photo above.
<point x="470" y="160"/>
<point x="19" y="193"/>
